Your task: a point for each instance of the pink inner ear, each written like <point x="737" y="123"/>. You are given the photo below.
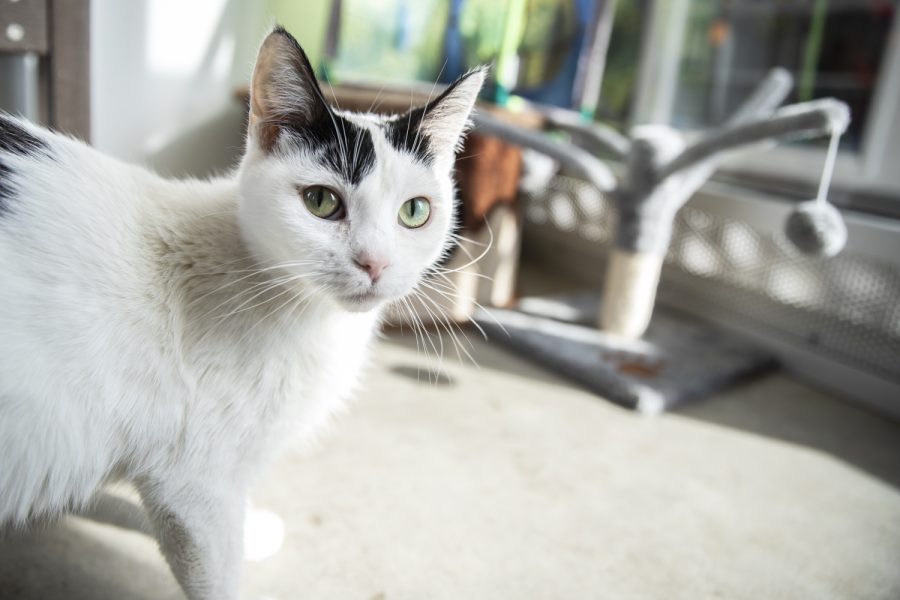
<point x="283" y="88"/>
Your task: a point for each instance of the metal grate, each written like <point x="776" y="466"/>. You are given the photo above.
<point x="571" y="205"/>
<point x="847" y="307"/>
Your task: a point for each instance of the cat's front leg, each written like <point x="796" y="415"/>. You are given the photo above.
<point x="199" y="526"/>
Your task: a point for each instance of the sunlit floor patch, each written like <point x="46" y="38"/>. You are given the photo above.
<point x="263" y="534"/>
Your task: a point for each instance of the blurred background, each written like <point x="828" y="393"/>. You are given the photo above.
<point x="776" y="470"/>
<point x="162" y="83"/>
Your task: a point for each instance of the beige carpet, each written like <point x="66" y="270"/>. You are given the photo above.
<point x="504" y="482"/>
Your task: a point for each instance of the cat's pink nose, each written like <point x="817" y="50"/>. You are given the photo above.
<point x="373" y="265"/>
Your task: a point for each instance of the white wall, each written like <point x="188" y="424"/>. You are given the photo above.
<point x="163" y="75"/>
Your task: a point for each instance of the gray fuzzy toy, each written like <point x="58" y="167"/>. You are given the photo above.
<point x="817" y="229"/>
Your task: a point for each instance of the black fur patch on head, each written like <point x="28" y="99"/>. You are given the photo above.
<point x="5" y="189"/>
<point x="339" y="145"/>
<point x="405" y="135"/>
<point x="14" y="140"/>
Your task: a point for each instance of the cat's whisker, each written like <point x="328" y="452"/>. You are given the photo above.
<point x="403" y="303"/>
<point x="228" y="263"/>
<point x="468" y="156"/>
<point x="420" y="328"/>
<point x="445" y="292"/>
<point x="434" y="319"/>
<point x="228" y="211"/>
<point x="465" y="251"/>
<point x="359" y="139"/>
<point x="284" y="265"/>
<point x="283" y="282"/>
<point x="409" y="115"/>
<point x="244" y="337"/>
<point x="477" y="304"/>
<point x="445" y="272"/>
<point x="441" y="320"/>
<point x="448" y="324"/>
<point x="248" y="274"/>
<point x="490" y="244"/>
<point x="459" y="237"/>
<point x="341" y="139"/>
<point x="230" y="299"/>
<point x="377" y="96"/>
<point x="266" y="285"/>
<point x="222" y="288"/>
<point x="450" y="296"/>
<point x="426" y="337"/>
<point x="345" y="150"/>
<point x="420" y="349"/>
<point x="298" y="299"/>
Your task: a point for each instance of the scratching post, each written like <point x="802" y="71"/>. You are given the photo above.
<point x="636" y="276"/>
<point x="664" y="171"/>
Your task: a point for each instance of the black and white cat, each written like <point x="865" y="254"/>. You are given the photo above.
<point x="173" y="333"/>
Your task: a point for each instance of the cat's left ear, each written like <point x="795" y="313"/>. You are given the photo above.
<point x="284" y="92"/>
<point x="445" y="119"/>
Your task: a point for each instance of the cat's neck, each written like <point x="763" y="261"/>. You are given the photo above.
<point x="220" y="290"/>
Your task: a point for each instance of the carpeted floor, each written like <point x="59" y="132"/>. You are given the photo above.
<point x="505" y="482"/>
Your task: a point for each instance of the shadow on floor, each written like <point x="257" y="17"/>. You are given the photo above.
<point x="784" y="409"/>
<point x="773" y="406"/>
<point x="486" y="354"/>
<point x="84" y="566"/>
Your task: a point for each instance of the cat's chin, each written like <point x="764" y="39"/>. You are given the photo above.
<point x="361" y="302"/>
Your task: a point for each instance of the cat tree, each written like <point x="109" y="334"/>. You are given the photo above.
<point x="661" y="169"/>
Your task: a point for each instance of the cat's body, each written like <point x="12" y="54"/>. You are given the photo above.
<point x="132" y="305"/>
<point x="171" y="333"/>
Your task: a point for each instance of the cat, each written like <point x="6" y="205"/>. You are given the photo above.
<point x="173" y="333"/>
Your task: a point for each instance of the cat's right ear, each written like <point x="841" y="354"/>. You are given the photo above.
<point x="283" y="92"/>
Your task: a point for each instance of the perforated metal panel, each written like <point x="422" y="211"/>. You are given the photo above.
<point x="572" y="206"/>
<point x="847" y="307"/>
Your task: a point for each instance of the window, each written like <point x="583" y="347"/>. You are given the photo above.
<point x="834" y="49"/>
<point x="389" y="40"/>
<point x="701" y="57"/>
<point x="687" y="63"/>
<point x="622" y="57"/>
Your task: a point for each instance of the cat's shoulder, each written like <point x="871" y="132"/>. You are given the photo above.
<point x="37" y="163"/>
<point x="23" y="142"/>
<point x="19" y="137"/>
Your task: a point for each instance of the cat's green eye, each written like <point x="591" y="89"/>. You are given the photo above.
<point x="322" y="202"/>
<point x="415" y="212"/>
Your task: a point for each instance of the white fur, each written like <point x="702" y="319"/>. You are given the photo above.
<point x="172" y="333"/>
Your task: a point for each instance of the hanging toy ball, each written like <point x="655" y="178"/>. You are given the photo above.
<point x="816" y="228"/>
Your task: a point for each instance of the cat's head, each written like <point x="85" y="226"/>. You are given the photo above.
<point x="356" y="206"/>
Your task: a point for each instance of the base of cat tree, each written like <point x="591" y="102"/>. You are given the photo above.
<point x="678" y="359"/>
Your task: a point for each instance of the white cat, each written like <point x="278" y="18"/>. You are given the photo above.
<point x="172" y="333"/>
